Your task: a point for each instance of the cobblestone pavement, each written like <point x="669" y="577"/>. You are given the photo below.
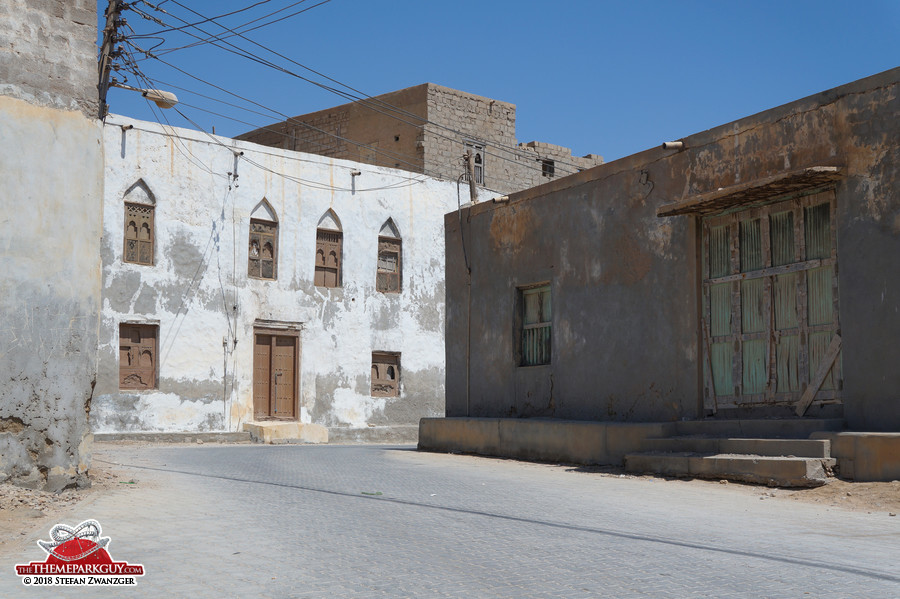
<point x="377" y="521"/>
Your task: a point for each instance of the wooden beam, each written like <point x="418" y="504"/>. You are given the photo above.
<point x="764" y="189"/>
<point x="833" y="348"/>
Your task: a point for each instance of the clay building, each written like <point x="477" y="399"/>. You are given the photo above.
<point x="427" y="129"/>
<point x="246" y="288"/>
<point x="747" y="272"/>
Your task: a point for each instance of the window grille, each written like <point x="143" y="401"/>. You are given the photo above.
<point x="139" y="233"/>
<point x="328" y="258"/>
<point x="262" y="261"/>
<point x="388" y="277"/>
<point x="536" y="318"/>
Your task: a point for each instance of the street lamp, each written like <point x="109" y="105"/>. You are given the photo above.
<point x="161" y="98"/>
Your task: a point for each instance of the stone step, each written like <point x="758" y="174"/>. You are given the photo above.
<point x="280" y="431"/>
<point x="788" y="428"/>
<point x="769" y="470"/>
<point x="801" y="448"/>
<point x="150" y="437"/>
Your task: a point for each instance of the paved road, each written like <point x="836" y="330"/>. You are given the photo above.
<point x="376" y="521"/>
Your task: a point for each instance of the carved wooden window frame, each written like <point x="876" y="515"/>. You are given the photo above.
<point x="329" y="258"/>
<point x="138" y="356"/>
<point x="385" y="374"/>
<point x="137" y="247"/>
<point x="752" y="315"/>
<point x="259" y="265"/>
<point x="389" y="275"/>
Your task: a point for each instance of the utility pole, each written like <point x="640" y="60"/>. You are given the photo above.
<point x="110" y="37"/>
<point x="470" y="170"/>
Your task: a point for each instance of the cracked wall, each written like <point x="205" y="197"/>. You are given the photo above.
<point x="199" y="294"/>
<point x="624" y="282"/>
<point x="49" y="239"/>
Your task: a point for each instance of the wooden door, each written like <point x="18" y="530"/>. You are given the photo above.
<point x="275" y="376"/>
<point x="283" y="359"/>
<point x="770" y="294"/>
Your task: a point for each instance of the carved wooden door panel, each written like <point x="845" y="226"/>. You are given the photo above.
<point x="283" y="360"/>
<point x="262" y="374"/>
<point x="275" y="376"/>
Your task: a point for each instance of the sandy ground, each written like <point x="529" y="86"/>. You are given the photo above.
<point x="23" y="510"/>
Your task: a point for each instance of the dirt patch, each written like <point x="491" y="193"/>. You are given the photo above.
<point x="861" y="497"/>
<point x="23" y="510"/>
<point x="866" y="497"/>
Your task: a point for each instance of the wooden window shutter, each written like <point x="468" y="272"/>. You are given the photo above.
<point x="389" y="275"/>
<point x="385" y="374"/>
<point x="137" y="356"/>
<point x="328" y="258"/>
<point x="139" y="233"/>
<point x="262" y="256"/>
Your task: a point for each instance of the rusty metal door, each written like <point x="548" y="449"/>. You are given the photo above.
<point x="274" y="376"/>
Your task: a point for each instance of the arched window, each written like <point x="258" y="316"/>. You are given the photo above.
<point x="329" y="242"/>
<point x="385" y="374"/>
<point x="388" y="278"/>
<point x="262" y="255"/>
<point x="139" y="224"/>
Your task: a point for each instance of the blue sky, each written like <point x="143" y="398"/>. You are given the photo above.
<point x="610" y="78"/>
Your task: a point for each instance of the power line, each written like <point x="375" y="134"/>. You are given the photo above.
<point x="407" y="181"/>
<point x="290" y="120"/>
<point x="206" y="20"/>
<point x="272" y="22"/>
<point x="522" y="159"/>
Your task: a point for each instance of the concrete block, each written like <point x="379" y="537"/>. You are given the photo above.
<point x="469" y="435"/>
<point x="272" y="432"/>
<point x="801" y="448"/>
<point x="865" y="456"/>
<point x="554" y="440"/>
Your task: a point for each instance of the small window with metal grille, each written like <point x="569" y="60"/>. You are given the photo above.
<point x="548" y="167"/>
<point x="477" y="161"/>
<point x="385" y="374"/>
<point x="535" y="326"/>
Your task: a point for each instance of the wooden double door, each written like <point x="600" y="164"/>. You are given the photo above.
<point x="275" y="375"/>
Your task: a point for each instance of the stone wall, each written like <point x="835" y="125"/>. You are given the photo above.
<point x="51" y="183"/>
<point x="48" y="53"/>
<point x="390" y="130"/>
<point x="200" y="296"/>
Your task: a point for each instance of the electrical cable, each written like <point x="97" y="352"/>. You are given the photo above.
<point x="518" y="153"/>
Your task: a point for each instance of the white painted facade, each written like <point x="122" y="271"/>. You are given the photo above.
<point x="204" y="191"/>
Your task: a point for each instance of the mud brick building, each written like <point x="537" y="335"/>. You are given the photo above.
<point x="427" y="129"/>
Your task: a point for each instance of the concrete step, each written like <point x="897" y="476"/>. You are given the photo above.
<point x="788" y="428"/>
<point x="281" y="431"/>
<point x="175" y="437"/>
<point x="770" y="470"/>
<point x="801" y="448"/>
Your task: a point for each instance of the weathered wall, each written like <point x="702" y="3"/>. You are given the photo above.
<point x="50" y="182"/>
<point x="456" y="116"/>
<point x="200" y="274"/>
<point x="625" y="283"/>
<point x="383" y="137"/>
<point x="391" y="126"/>
<point x="48" y="53"/>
